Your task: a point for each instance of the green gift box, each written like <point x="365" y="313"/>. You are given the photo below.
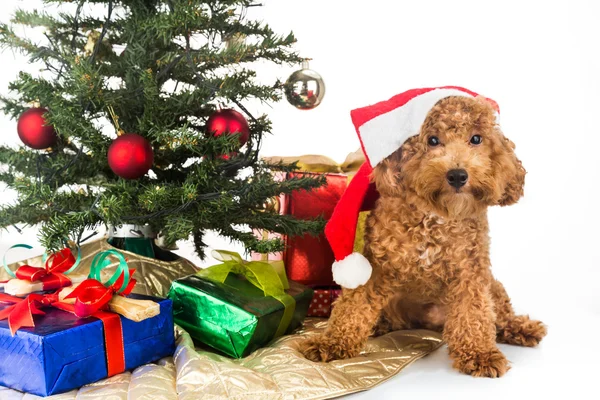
<point x="239" y="306"/>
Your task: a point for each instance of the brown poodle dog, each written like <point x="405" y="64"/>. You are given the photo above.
<point x="427" y="240"/>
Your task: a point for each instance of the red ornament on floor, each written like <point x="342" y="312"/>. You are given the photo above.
<point x="34" y="131"/>
<point x="130" y="156"/>
<point x="230" y="122"/>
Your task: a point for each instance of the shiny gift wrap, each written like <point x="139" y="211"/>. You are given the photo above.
<point x="63" y="352"/>
<point x="308" y="258"/>
<point x="234" y="317"/>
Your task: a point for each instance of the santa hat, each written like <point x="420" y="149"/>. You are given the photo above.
<point x="382" y="128"/>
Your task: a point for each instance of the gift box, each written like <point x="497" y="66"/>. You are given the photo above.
<point x="308" y="259"/>
<point x="154" y="275"/>
<point x="63" y="352"/>
<point x="322" y="301"/>
<point x="232" y="314"/>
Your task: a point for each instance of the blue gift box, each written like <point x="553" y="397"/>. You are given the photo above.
<point x="64" y="352"/>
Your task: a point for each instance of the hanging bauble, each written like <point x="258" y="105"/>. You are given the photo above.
<point x="229" y="122"/>
<point x="34" y="131"/>
<point x="130" y="156"/>
<point x="305" y="88"/>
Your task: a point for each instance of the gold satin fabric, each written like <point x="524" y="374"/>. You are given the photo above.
<point x="277" y="372"/>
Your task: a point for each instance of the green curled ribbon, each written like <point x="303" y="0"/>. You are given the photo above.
<point x="45" y="259"/>
<point x="101" y="261"/>
<point x="269" y="277"/>
<point x="10" y="272"/>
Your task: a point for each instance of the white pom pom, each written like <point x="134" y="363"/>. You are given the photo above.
<point x="352" y="272"/>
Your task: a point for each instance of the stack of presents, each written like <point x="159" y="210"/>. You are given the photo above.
<point x="84" y="314"/>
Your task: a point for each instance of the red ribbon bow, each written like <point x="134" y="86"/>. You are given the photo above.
<point x="92" y="296"/>
<point x="20" y="313"/>
<point x="52" y="276"/>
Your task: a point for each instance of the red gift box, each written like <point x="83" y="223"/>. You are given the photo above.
<point x="322" y="302"/>
<point x="308" y="259"/>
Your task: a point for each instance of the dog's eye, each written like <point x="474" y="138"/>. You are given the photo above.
<point x="433" y="141"/>
<point x="476" y="139"/>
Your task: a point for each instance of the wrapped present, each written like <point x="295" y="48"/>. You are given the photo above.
<point x="56" y="272"/>
<point x="322" y="301"/>
<point x="308" y="259"/>
<point x="239" y="306"/>
<point x="154" y="275"/>
<point x="50" y="344"/>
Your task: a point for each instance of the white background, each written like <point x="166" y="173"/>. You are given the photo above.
<point x="540" y="60"/>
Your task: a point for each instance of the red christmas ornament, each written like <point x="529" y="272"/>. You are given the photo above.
<point x="130" y="156"/>
<point x="229" y="122"/>
<point x="34" y="131"/>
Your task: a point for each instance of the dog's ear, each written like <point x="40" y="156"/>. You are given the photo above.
<point x="387" y="174"/>
<point x="512" y="173"/>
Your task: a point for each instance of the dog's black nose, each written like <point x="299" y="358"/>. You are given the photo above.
<point x="457" y="177"/>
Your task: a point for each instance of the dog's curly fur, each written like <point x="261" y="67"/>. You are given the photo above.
<point x="429" y="247"/>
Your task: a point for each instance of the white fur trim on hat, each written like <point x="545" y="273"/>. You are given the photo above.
<point x="352" y="272"/>
<point x="384" y="134"/>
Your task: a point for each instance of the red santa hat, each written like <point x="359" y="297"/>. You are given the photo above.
<point x="382" y="128"/>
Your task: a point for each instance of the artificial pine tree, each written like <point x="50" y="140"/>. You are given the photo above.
<point x="158" y="69"/>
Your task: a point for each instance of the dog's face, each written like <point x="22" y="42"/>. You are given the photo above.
<point x="458" y="165"/>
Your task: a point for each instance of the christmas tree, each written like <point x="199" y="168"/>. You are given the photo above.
<point x="120" y="115"/>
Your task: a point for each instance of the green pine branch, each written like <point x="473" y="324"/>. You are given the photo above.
<point x="162" y="67"/>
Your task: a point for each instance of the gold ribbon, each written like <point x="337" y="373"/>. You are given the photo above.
<point x="268" y="276"/>
<point x="323" y="164"/>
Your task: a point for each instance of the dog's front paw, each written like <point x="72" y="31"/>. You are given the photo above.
<point x="322" y="348"/>
<point x="522" y="331"/>
<point x="490" y="364"/>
